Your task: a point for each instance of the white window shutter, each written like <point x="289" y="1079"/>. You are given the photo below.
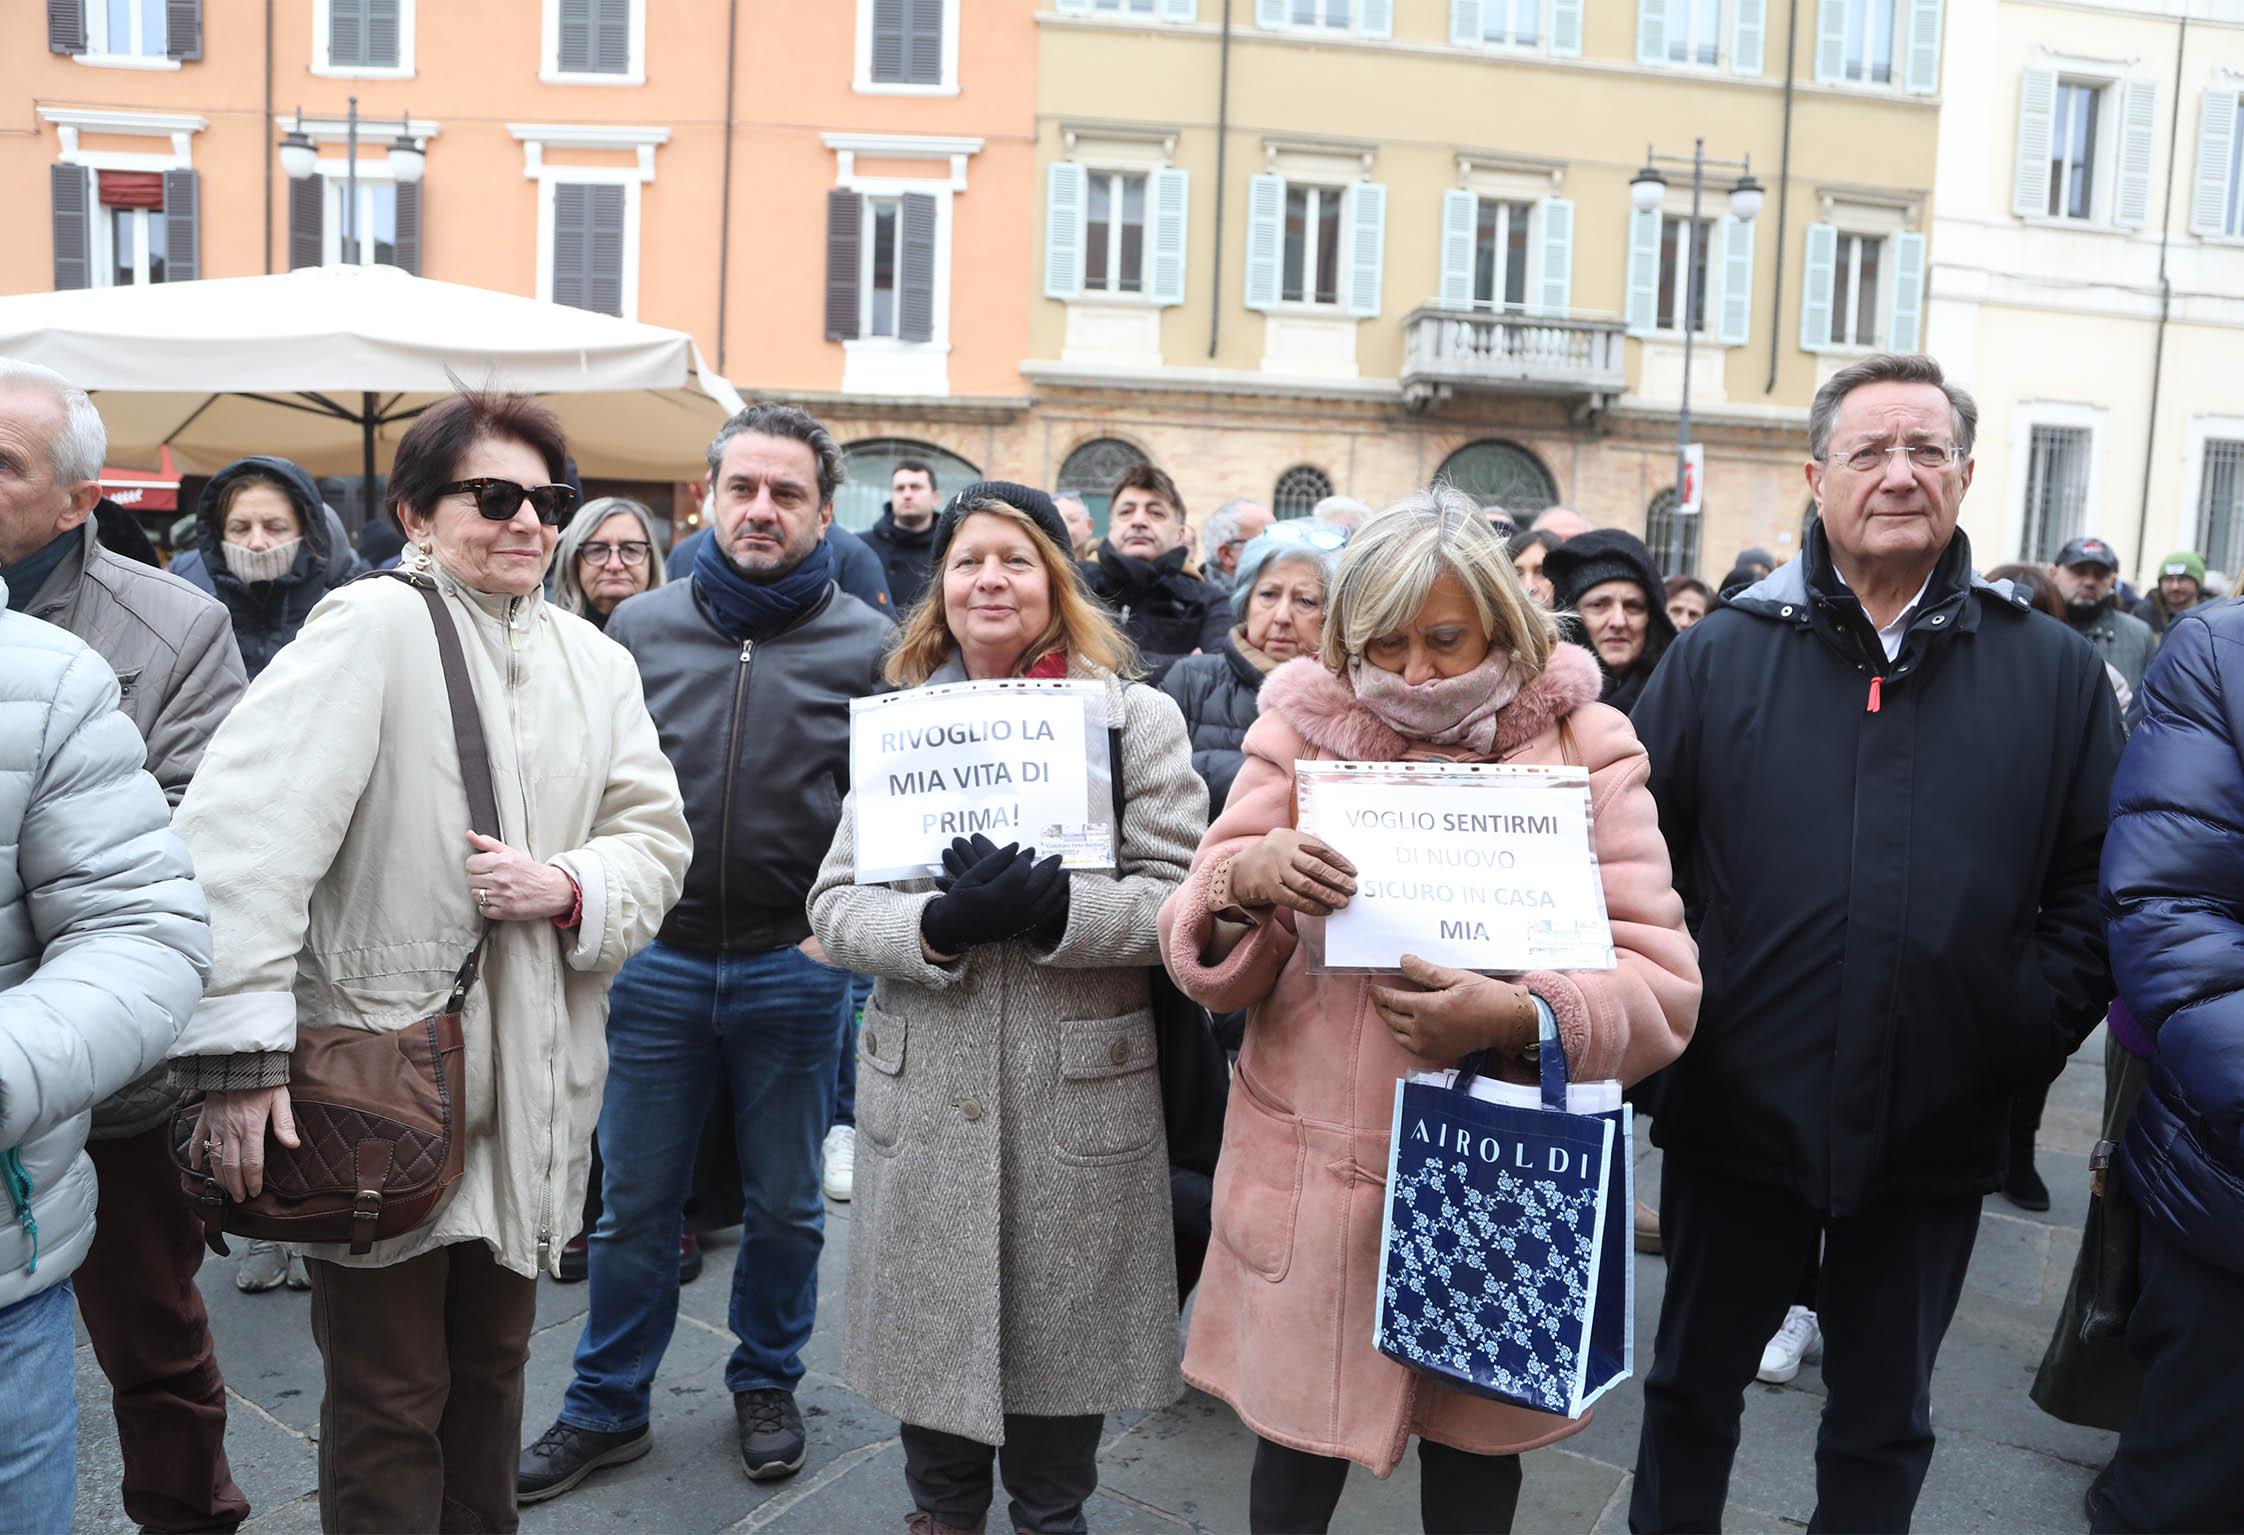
<point x="2216" y="134"/>
<point x="1905" y="304"/>
<point x="1748" y="25"/>
<point x="1375" y="18"/>
<point x="1554" y="228"/>
<point x="1266" y="211"/>
<point x="1816" y="287"/>
<point x="2138" y="139"/>
<point x="1067" y="192"/>
<point x="1643" y="271"/>
<point x="1733" y="322"/>
<point x="1460" y="211"/>
<point x="1831" y="40"/>
<point x="1270" y="13"/>
<point x="1169" y="201"/>
<point x="1651" y="31"/>
<point x="1464" y="23"/>
<point x="1180" y="10"/>
<point x="2037" y="113"/>
<point x="1920" y="54"/>
<point x="1566" y="29"/>
<point x="1367" y="239"/>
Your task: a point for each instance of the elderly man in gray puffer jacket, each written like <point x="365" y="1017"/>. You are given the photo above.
<point x="104" y="949"/>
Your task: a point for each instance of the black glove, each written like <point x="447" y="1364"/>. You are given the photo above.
<point x="997" y="897"/>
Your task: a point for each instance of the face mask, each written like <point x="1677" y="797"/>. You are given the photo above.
<point x="254" y="565"/>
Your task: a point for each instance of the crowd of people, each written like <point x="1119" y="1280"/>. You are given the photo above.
<point x="1881" y="840"/>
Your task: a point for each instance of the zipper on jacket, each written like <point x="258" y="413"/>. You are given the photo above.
<point x="724" y="825"/>
<point x="19" y="1196"/>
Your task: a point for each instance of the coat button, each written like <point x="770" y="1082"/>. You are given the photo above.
<point x="872" y="1043"/>
<point x="970" y="1109"/>
<point x="1119" y="1051"/>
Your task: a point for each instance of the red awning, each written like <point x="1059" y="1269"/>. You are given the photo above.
<point x="132" y="189"/>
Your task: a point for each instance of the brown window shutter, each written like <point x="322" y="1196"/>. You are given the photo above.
<point x="183" y="248"/>
<point x="183" y="29"/>
<point x="409" y="226"/>
<point x="66" y="27"/>
<point x="307" y="219"/>
<point x="845" y="243"/>
<point x="73" y="213"/>
<point x="915" y="319"/>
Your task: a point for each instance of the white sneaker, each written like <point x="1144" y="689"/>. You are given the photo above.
<point x="264" y="1267"/>
<point x="841" y="1163"/>
<point x="1794" y="1341"/>
<point x="298" y="1278"/>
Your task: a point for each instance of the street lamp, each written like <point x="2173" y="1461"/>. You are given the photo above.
<point x="1647" y="190"/>
<point x="301" y="160"/>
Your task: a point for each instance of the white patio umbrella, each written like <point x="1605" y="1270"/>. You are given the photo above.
<point x="328" y="365"/>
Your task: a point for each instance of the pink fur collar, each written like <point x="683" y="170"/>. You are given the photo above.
<point x="1327" y="713"/>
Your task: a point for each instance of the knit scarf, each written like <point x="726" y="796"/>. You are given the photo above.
<point x="746" y="608"/>
<point x="1455" y="711"/>
<point x="1261" y="660"/>
<point x="268" y="564"/>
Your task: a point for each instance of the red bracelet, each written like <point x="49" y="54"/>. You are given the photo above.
<point x="576" y="902"/>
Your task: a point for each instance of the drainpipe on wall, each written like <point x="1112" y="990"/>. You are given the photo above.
<point x="2165" y="297"/>
<point x="1223" y="140"/>
<point x="724" y="198"/>
<point x="1784" y="187"/>
<point x="269" y="150"/>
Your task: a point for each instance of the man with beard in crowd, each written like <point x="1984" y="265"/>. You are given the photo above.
<point x="2087" y="577"/>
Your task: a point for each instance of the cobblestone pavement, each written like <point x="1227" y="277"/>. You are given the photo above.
<point x="2001" y="1465"/>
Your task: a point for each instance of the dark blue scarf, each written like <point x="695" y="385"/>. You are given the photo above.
<point x="748" y="609"/>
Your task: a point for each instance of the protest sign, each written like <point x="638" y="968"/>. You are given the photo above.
<point x="1017" y="761"/>
<point x="1479" y="866"/>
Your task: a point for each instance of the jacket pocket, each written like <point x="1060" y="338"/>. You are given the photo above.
<point x="1108" y="1104"/>
<point x="880" y="1091"/>
<point x="1257" y="1194"/>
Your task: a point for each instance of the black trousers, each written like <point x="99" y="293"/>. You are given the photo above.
<point x="1051" y="1467"/>
<point x="1459" y="1493"/>
<point x="2178" y="1466"/>
<point x="1890" y="1280"/>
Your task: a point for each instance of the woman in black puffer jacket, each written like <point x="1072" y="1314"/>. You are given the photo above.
<point x="1278" y="598"/>
<point x="269" y="548"/>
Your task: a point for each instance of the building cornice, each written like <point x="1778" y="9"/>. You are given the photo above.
<point x="1057" y="375"/>
<point x="537" y="138"/>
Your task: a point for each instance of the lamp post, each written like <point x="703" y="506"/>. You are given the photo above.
<point x="1647" y="192"/>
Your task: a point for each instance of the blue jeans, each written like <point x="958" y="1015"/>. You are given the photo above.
<point x="853" y="1018"/>
<point x="676" y="1018"/>
<point x="38" y="1413"/>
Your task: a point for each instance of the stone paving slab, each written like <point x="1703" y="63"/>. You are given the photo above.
<point x="2002" y="1465"/>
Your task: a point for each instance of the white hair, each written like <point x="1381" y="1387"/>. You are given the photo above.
<point x="77" y="452"/>
<point x="1341" y="512"/>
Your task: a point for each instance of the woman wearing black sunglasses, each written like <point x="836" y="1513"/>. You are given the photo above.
<point x="331" y="833"/>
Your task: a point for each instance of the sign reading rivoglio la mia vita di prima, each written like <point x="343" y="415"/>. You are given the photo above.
<point x="1018" y="762"/>
<point x="1480" y="866"/>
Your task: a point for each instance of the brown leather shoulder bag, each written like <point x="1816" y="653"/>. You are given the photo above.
<point x="377" y="1113"/>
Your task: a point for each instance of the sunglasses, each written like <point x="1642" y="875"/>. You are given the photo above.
<point x="499" y="500"/>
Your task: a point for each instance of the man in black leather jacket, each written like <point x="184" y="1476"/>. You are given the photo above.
<point x="749" y="666"/>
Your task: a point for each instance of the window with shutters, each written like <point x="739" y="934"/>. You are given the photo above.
<point x="362" y="39"/>
<point x="1309" y="270"/>
<point x="1501" y="243"/>
<point x="2072" y="150"/>
<point x="2220" y="505"/>
<point x="1869" y="47"/>
<point x="1298" y="491"/>
<point x="1879" y="44"/>
<point x="2056" y="490"/>
<point x="1694" y="32"/>
<point x="587" y="240"/>
<point x="368" y="236"/>
<point x="1854" y="290"/>
<point x="2216" y="201"/>
<point x="907" y="47"/>
<point x="125" y="29"/>
<point x="595" y="42"/>
<point x="1114" y="233"/>
<point x="1676" y="249"/>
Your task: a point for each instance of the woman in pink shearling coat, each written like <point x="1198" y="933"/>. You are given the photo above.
<point x="1432" y="652"/>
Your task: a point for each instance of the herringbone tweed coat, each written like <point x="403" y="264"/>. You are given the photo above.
<point x="1010" y="1246"/>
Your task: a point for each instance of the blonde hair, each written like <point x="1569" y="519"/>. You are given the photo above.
<point x="580" y="530"/>
<point x="1080" y="627"/>
<point x="1393" y="560"/>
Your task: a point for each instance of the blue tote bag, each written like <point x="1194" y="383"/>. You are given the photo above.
<point x="1506" y="1265"/>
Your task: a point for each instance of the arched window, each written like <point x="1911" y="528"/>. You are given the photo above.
<point x="1501" y="474"/>
<point x="1673" y="539"/>
<point x="1299" y="490"/>
<point x="1091" y="470"/>
<point x="857" y="505"/>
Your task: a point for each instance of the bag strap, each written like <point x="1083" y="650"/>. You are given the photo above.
<point x="474" y="750"/>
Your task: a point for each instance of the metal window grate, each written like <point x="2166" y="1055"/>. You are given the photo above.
<point x="1673" y="539"/>
<point x="2220" y="505"/>
<point x="1299" y="490"/>
<point x="2056" y="490"/>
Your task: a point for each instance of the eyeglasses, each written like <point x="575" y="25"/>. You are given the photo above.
<point x="1315" y="535"/>
<point x="499" y="500"/>
<point x="1923" y="455"/>
<point x="633" y="553"/>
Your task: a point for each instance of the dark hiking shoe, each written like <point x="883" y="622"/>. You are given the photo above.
<point x="772" y="1441"/>
<point x="2023" y="1186"/>
<point x="689" y="1258"/>
<point x="565" y="1456"/>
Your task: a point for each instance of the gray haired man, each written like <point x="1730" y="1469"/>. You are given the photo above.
<point x="749" y="664"/>
<point x="172" y="649"/>
<point x="1234" y="525"/>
